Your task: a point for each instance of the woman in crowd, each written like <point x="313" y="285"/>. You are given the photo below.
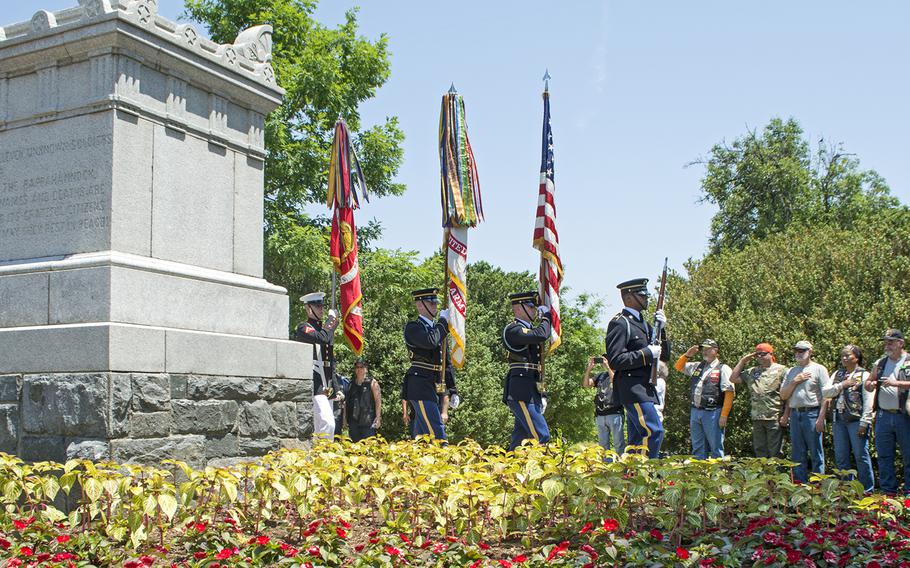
<point x="852" y="415"/>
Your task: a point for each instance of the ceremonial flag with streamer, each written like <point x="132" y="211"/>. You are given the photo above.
<point x="461" y="209"/>
<point x="345" y="178"/>
<point x="546" y="238"/>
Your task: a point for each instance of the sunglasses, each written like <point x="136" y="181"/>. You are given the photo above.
<point x="800" y="350"/>
<point x="762" y="353"/>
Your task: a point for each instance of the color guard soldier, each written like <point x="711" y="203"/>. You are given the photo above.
<point x="423" y="388"/>
<point x="630" y="354"/>
<point x="325" y="383"/>
<point x="523" y="390"/>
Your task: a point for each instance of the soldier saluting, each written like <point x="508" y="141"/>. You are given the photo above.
<point x="523" y="392"/>
<point x="325" y="384"/>
<point x="423" y="387"/>
<point x="630" y="355"/>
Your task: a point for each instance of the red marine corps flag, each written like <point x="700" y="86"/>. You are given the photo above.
<point x="345" y="177"/>
<point x="546" y="239"/>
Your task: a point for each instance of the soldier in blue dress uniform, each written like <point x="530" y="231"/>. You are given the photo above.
<point x="523" y="391"/>
<point x="423" y="388"/>
<point x="630" y="354"/>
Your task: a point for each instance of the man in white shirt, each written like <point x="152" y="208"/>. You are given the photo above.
<point x="804" y="389"/>
<point x="890" y="381"/>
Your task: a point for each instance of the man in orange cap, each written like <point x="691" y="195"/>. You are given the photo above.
<point x="763" y="381"/>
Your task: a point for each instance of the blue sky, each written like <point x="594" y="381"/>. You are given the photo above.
<point x="638" y="90"/>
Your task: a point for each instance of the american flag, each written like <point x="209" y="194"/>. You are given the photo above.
<point x="546" y="238"/>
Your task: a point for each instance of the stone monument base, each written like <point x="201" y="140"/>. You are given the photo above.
<point x="145" y="418"/>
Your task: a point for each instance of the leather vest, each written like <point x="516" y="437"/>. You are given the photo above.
<point x="710" y="390"/>
<point x="852" y="399"/>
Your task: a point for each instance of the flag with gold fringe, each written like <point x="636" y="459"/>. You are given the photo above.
<point x="461" y="209"/>
<point x="546" y="238"/>
<point x="345" y="180"/>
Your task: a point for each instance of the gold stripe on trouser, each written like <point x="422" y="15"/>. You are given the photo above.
<point x="423" y="412"/>
<point x="524" y="409"/>
<point x="641" y="420"/>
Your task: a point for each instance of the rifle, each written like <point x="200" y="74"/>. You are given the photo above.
<point x="659" y="326"/>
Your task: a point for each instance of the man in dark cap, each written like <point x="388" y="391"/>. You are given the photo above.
<point x="325" y="384"/>
<point x="424" y="388"/>
<point x="523" y="392"/>
<point x="890" y="381"/>
<point x="630" y="354"/>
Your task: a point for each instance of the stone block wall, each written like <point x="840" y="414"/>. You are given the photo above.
<point x="145" y="418"/>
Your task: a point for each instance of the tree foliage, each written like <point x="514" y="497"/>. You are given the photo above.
<point x="763" y="183"/>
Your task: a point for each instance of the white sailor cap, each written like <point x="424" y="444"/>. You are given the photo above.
<point x="313" y="298"/>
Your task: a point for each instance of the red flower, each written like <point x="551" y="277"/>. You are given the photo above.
<point x="610" y="525"/>
<point x="477" y="563"/>
<point x="404" y="538"/>
<point x="374" y="540"/>
<point x="706" y="563"/>
<point x="520" y="559"/>
<point x="131" y="564"/>
<point x="262" y="539"/>
<point x="20" y="525"/>
<point x="907" y="503"/>
<point x="440" y="547"/>
<point x="359" y="548"/>
<point x="292" y="552"/>
<point x="392" y="551"/>
<point x="230" y="521"/>
<point x="26" y="551"/>
<point x="793" y="556"/>
<point x="505" y="563"/>
<point x="558" y="550"/>
<point x="682" y="553"/>
<point x="341" y="532"/>
<point x="451" y="538"/>
<point x="43" y="557"/>
<point x="483" y="546"/>
<point x="590" y="550"/>
<point x="656" y="534"/>
<point x="63" y="539"/>
<point x="313" y="550"/>
<point x="146" y="560"/>
<point x="200" y="555"/>
<point x="5" y="544"/>
<point x="671" y="483"/>
<point x="874" y="564"/>
<point x="200" y="527"/>
<point x="13" y="562"/>
<point x="224" y="554"/>
<point x="585" y="528"/>
<point x="61" y="556"/>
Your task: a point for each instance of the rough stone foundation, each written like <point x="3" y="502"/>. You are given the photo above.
<point x="145" y="418"/>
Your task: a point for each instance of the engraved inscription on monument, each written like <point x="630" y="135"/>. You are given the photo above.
<point x="54" y="194"/>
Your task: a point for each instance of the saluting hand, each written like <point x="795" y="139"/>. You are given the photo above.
<point x="748" y="357"/>
<point x="691" y="351"/>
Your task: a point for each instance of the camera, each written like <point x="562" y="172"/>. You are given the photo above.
<point x="598" y="360"/>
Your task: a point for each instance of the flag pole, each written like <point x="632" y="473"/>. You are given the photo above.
<point x="444" y="351"/>
<point x="546" y="347"/>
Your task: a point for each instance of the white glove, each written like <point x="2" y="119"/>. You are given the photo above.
<point x="655" y="351"/>
<point x="333" y="314"/>
<point x="444" y="314"/>
<point x="660" y="316"/>
<point x="543" y="310"/>
<point x="454" y="401"/>
<point x="543" y="405"/>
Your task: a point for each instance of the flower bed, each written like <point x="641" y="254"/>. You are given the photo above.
<point x="418" y="504"/>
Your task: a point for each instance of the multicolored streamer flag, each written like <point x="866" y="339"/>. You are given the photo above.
<point x="546" y="238"/>
<point x="345" y="179"/>
<point x="462" y="208"/>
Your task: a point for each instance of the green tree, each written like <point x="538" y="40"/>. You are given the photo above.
<point x="829" y="285"/>
<point x="326" y="73"/>
<point x="763" y="183"/>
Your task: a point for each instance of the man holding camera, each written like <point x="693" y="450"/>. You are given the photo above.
<point x="325" y="384"/>
<point x="608" y="413"/>
<point x="523" y="390"/>
<point x="890" y="380"/>
<point x="630" y="354"/>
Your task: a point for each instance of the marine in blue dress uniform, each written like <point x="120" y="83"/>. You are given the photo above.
<point x="630" y="355"/>
<point x="423" y="388"/>
<point x="522" y="388"/>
